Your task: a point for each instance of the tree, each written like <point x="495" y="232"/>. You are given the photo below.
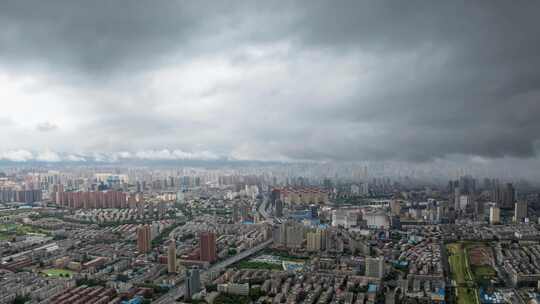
<point x="122" y="278"/>
<point x="21" y="299"/>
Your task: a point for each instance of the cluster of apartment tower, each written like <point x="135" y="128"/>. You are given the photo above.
<point x="93" y="199"/>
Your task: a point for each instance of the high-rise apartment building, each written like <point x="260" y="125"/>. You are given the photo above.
<point x="91" y="200"/>
<point x="171" y="257"/>
<point x="144" y="239"/>
<point x="236" y="213"/>
<point x="314" y="241"/>
<point x="295" y="236"/>
<point x="279" y="208"/>
<point x="193" y="283"/>
<point x="208" y="247"/>
<point x="375" y="267"/>
<point x="520" y="211"/>
<point x="395" y="207"/>
<point x="494" y="215"/>
<point x="245" y="212"/>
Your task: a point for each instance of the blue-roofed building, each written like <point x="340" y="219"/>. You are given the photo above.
<point x="490" y="298"/>
<point x="300" y="215"/>
<point x="401" y="264"/>
<point x="438" y="296"/>
<point x="136" y="300"/>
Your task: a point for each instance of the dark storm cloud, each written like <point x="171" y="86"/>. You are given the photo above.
<point x="91" y="35"/>
<point x="102" y="36"/>
<point x="348" y="80"/>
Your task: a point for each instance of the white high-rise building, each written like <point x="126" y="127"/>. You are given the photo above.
<point x="344" y="218"/>
<point x="464" y="201"/>
<point x="339" y="217"/>
<point x="494" y="215"/>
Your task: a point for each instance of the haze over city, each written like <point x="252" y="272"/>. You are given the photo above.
<point x="360" y="81"/>
<point x="269" y="152"/>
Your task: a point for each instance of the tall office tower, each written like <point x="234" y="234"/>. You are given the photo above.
<point x="504" y="196"/>
<point x="208" y="247"/>
<point x="279" y="208"/>
<point x="375" y="267"/>
<point x="467" y="184"/>
<point x="457" y="195"/>
<point x="509" y="196"/>
<point x="520" y="211"/>
<point x="144" y="239"/>
<point x="494" y="215"/>
<point x="193" y="283"/>
<point x="171" y="257"/>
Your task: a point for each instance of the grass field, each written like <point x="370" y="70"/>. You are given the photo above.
<point x="10" y="230"/>
<point x="483" y="272"/>
<point x="466" y="291"/>
<point x="55" y="272"/>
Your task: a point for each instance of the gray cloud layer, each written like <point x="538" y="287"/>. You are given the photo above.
<point x="312" y="80"/>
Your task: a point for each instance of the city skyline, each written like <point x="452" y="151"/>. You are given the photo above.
<point x="359" y="82"/>
<point x="299" y="152"/>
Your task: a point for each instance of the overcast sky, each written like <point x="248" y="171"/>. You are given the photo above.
<point x="412" y="81"/>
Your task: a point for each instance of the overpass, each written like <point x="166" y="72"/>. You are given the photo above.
<point x="178" y="291"/>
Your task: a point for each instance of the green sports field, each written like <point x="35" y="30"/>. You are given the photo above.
<point x="466" y="291"/>
<point x="56" y="272"/>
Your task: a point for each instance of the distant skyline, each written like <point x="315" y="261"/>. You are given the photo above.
<point x="418" y="82"/>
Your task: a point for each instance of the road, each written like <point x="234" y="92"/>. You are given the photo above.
<point x="263" y="210"/>
<point x="178" y="291"/>
<point x="13" y="256"/>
